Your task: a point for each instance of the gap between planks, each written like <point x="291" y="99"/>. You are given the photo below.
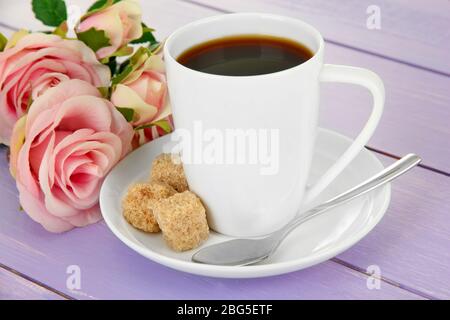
<point x="335" y="260"/>
<point x="340" y="44"/>
<point x="390" y="155"/>
<point x="384" y="279"/>
<point x="211" y="7"/>
<point x="381" y="56"/>
<point x="337" y="43"/>
<point x="7" y="26"/>
<point x="36" y="282"/>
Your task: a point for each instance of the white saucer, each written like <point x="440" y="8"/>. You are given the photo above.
<point x="315" y="241"/>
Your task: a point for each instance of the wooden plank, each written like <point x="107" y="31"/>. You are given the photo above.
<point x="411" y="244"/>
<point x="429" y="140"/>
<point x="414" y="32"/>
<point x="14" y="287"/>
<point x="110" y="270"/>
<point x="5" y="31"/>
<point x="416" y="114"/>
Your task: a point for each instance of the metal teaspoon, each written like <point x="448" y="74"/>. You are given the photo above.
<point x="242" y="252"/>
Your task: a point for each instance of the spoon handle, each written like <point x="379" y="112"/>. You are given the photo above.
<point x="393" y="171"/>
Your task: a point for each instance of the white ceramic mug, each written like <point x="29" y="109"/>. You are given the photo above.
<point x="241" y="201"/>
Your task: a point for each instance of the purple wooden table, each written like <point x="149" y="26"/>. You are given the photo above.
<point x="411" y="246"/>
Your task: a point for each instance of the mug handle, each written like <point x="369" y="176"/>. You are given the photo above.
<point x="369" y="80"/>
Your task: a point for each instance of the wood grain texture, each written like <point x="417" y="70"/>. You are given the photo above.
<point x="14" y="287"/>
<point x="411" y="244"/>
<point x="417" y="102"/>
<point x="415" y="120"/>
<point x="414" y="32"/>
<point x="110" y="270"/>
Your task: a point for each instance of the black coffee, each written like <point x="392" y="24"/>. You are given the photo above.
<point x="245" y="55"/>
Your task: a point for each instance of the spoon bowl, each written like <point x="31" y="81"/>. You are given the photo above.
<point x="243" y="252"/>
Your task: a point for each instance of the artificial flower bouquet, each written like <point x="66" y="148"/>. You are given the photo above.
<point x="75" y="102"/>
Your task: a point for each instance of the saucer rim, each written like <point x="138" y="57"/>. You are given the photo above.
<point x="252" y="271"/>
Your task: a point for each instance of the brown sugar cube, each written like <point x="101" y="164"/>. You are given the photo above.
<point x="164" y="169"/>
<point x="136" y="204"/>
<point x="182" y="220"/>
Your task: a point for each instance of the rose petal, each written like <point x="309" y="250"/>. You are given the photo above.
<point x="28" y="65"/>
<point x="86" y="217"/>
<point x="73" y="138"/>
<point x="126" y="97"/>
<point x="35" y="208"/>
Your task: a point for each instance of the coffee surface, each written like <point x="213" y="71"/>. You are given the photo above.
<point x="245" y="55"/>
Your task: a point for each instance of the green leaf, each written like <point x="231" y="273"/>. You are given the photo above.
<point x="130" y="65"/>
<point x="147" y="36"/>
<point x="137" y="56"/>
<point x="122" y="75"/>
<point x="123" y="65"/>
<point x="128" y="113"/>
<point x="163" y="124"/>
<point x="3" y="42"/>
<point x="104" y="91"/>
<point x="94" y="39"/>
<point x="50" y="12"/>
<point x="97" y="5"/>
<point x="122" y="52"/>
<point x="112" y="64"/>
<point x="155" y="47"/>
<point x="100" y="4"/>
<point x="61" y="30"/>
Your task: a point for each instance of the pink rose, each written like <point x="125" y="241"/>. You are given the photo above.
<point x="144" y="90"/>
<point x="37" y="62"/>
<point x="120" y="21"/>
<point x="69" y="140"/>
